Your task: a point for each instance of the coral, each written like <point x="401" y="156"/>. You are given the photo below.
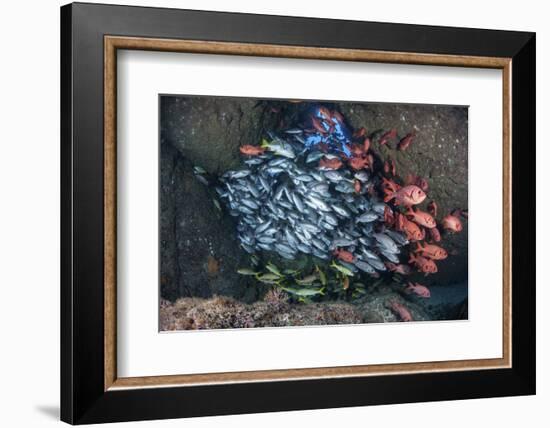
<point x="221" y="312"/>
<point x="276" y="298"/>
<point x="224" y="312"/>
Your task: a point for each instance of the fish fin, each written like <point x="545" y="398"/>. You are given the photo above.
<point x="389" y="195"/>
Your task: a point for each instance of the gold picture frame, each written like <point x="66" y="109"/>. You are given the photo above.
<point x="114" y="43"/>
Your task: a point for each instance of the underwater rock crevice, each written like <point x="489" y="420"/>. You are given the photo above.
<point x="199" y="253"/>
<point x="168" y="254"/>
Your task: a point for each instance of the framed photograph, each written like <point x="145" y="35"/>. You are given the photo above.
<point x="266" y="213"/>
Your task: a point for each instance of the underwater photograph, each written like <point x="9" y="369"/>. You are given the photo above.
<point x="286" y="213"/>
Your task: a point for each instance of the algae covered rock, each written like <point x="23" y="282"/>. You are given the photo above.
<point x="199" y="254"/>
<point x="220" y="312"/>
<point x="208" y="131"/>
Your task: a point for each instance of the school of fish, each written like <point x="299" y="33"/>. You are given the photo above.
<point x="301" y="192"/>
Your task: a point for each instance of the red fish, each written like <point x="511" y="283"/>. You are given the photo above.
<point x="344" y="255"/>
<point x="337" y="117"/>
<point x="408" y="195"/>
<point x="389" y="217"/>
<point x="323" y="147"/>
<point x="432" y="208"/>
<point x="370" y="161"/>
<point x="371" y="190"/>
<point x="400" y="309"/>
<point x="406" y="141"/>
<point x="390" y="185"/>
<point x="366" y="144"/>
<point x="460" y="213"/>
<point x="389" y="167"/>
<point x="418" y="181"/>
<point x="434" y="234"/>
<point x="401" y="268"/>
<point x="413" y="232"/>
<point x="418" y="289"/>
<point x="316" y="123"/>
<point x="334" y="163"/>
<point x="324" y="113"/>
<point x="387" y="136"/>
<point x="357" y="186"/>
<point x="250" y="150"/>
<point x="451" y="223"/>
<point x="357" y="150"/>
<point x="431" y="251"/>
<point x="423" y="264"/>
<point x="420" y="217"/>
<point x="360" y="133"/>
<point x="358" y="163"/>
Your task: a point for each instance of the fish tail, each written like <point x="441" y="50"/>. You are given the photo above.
<point x="388" y="195"/>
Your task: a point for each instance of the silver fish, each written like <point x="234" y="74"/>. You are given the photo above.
<point x="250" y="203"/>
<point x="365" y="267"/>
<point x="274" y="170"/>
<point x="340" y="210"/>
<point x="314" y="157"/>
<point x="379" y="208"/>
<point x="303" y="248"/>
<point x="284" y="248"/>
<point x="362" y="176"/>
<point x="239" y="174"/>
<point x="342" y="242"/>
<point x="298" y="202"/>
<point x="281" y="149"/>
<point x="398" y="237"/>
<point x="392" y="257"/>
<point x="294" y="131"/>
<point x="333" y="176"/>
<point x="376" y="263"/>
<point x="201" y="179"/>
<point x="266" y="239"/>
<point x="386" y="243"/>
<point x="277" y="162"/>
<point x="317" y="203"/>
<point x="367" y="217"/>
<point x="320" y="254"/>
<point x="261" y="226"/>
